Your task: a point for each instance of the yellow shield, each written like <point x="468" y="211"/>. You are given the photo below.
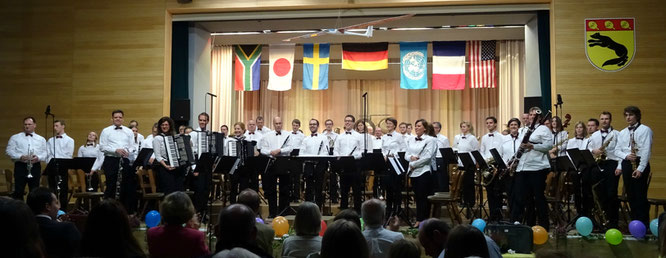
<point x="610" y="43"/>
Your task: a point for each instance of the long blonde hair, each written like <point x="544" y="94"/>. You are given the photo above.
<point x="469" y="125"/>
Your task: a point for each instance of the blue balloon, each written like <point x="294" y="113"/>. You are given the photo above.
<point x="259" y="220"/>
<point x="60" y="213"/>
<point x="480" y="224"/>
<point x="584" y="226"/>
<point x="153" y="218"/>
<point x="654" y="227"/>
<point x="637" y="229"/>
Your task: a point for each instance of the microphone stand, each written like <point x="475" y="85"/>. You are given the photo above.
<point x="209" y="175"/>
<point x="58" y="178"/>
<point x="365" y="120"/>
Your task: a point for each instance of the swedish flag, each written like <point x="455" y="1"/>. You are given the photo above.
<point x="315" y="66"/>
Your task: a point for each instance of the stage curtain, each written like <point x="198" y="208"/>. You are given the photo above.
<point x="511" y="79"/>
<point x="222" y="86"/>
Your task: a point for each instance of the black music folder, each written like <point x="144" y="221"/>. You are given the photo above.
<point x="82" y="163"/>
<point x="373" y="161"/>
<point x="498" y="159"/>
<point x="205" y="162"/>
<point x="576" y="158"/>
<point x="58" y="167"/>
<point x="480" y="160"/>
<point x="448" y="155"/>
<point x="143" y="159"/>
<point x="466" y="160"/>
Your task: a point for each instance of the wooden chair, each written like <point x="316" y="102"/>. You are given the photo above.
<point x="450" y="199"/>
<point x="84" y="200"/>
<point x="148" y="189"/>
<point x="6" y="181"/>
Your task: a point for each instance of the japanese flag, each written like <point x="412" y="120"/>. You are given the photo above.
<point x="281" y="67"/>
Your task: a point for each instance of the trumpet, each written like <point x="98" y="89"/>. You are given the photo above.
<point x="30" y="155"/>
<point x="489" y="174"/>
<point x="120" y="178"/>
<point x="89" y="182"/>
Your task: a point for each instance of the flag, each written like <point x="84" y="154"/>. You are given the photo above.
<point x="281" y="66"/>
<point x="448" y="65"/>
<point x="481" y="64"/>
<point x="365" y="56"/>
<point x="315" y="66"/>
<point x="246" y="67"/>
<point x="413" y="65"/>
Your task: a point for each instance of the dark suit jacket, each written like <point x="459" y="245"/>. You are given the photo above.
<point x="176" y="241"/>
<point x="60" y="238"/>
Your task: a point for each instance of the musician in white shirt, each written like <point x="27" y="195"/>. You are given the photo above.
<point x="466" y="142"/>
<point x="602" y="144"/>
<point x="171" y="178"/>
<point x="492" y="140"/>
<point x="91" y="150"/>
<point x="139" y="137"/>
<point x="392" y="144"/>
<point x="592" y="125"/>
<point x="530" y="177"/>
<point x="377" y="139"/>
<point x="526" y="124"/>
<point x="116" y="142"/>
<point x="313" y="170"/>
<point x="442" y="173"/>
<point x="200" y="184"/>
<point x="276" y="144"/>
<point x="333" y="177"/>
<point x="403" y="132"/>
<point x="261" y="129"/>
<point x="634" y="146"/>
<point x="582" y="182"/>
<point x="252" y="134"/>
<point x="512" y="142"/>
<point x="350" y="143"/>
<point x="26" y="149"/>
<point x="560" y="138"/>
<point x="420" y="153"/>
<point x="296" y="165"/>
<point x="63" y="145"/>
<point x="240" y="179"/>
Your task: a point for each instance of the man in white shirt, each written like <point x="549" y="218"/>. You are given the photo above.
<point x="276" y="144"/>
<point x="525" y="119"/>
<point x="378" y="238"/>
<point x="201" y="142"/>
<point x="442" y="173"/>
<point x="530" y="178"/>
<point x="252" y="135"/>
<point x="261" y="130"/>
<point x="313" y="170"/>
<point x="63" y="145"/>
<point x="604" y="142"/>
<point x="634" y="147"/>
<point x="402" y="128"/>
<point x="492" y="140"/>
<point x="392" y="144"/>
<point x="295" y="165"/>
<point x="117" y="143"/>
<point x="333" y="177"/>
<point x="592" y="126"/>
<point x="349" y="143"/>
<point x="26" y="149"/>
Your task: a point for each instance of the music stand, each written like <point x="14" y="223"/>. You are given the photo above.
<point x="589" y="159"/>
<point x="143" y="158"/>
<point x="58" y="167"/>
<point x="498" y="159"/>
<point x="482" y="166"/>
<point x="82" y="163"/>
<point x="576" y="158"/>
<point x="469" y="165"/>
<point x="449" y="156"/>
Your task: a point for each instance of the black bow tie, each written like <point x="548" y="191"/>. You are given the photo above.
<point x="631" y="128"/>
<point x="418" y="139"/>
<point x="514" y="136"/>
<point x="250" y="133"/>
<point x="278" y="133"/>
<point x="294" y="133"/>
<point x="58" y="137"/>
<point x="119" y="127"/>
<point x="491" y="135"/>
<point x="604" y="131"/>
<point x="347" y="132"/>
<point x="28" y="134"/>
<point x="389" y="135"/>
<point x="314" y="135"/>
<point x="464" y="137"/>
<point x="379" y="138"/>
<point x="89" y="144"/>
<point x="579" y="138"/>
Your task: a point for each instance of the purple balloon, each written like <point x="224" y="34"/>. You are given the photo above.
<point x="259" y="220"/>
<point x="637" y="229"/>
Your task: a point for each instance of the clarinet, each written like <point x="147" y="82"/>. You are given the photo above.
<point x="120" y="178"/>
<point x="271" y="159"/>
<point x="420" y="152"/>
<point x="320" y="145"/>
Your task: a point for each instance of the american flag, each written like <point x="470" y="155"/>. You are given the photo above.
<point x="481" y="64"/>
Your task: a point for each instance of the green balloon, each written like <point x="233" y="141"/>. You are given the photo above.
<point x="362" y="224"/>
<point x="613" y="236"/>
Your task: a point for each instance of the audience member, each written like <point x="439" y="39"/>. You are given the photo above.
<point x="108" y="234"/>
<point x="433" y="236"/>
<point x="349" y="215"/>
<point x="20" y="237"/>
<point x="265" y="233"/>
<point x="307" y="225"/>
<point x="236" y="228"/>
<point x="236" y="252"/>
<point x="466" y="241"/>
<point x="61" y="239"/>
<point x="378" y="238"/>
<point x="343" y="239"/>
<point x="403" y="248"/>
<point x="172" y="239"/>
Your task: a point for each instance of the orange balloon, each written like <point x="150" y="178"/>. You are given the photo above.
<point x="323" y="228"/>
<point x="539" y="235"/>
<point x="280" y="225"/>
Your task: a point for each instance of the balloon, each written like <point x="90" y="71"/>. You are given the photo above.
<point x="480" y="224"/>
<point x="280" y="225"/>
<point x="323" y="228"/>
<point x="60" y="213"/>
<point x="654" y="227"/>
<point x="613" y="236"/>
<point x="153" y="218"/>
<point x="362" y="225"/>
<point x="637" y="229"/>
<point x="259" y="220"/>
<point x="539" y="235"/>
<point x="584" y="226"/>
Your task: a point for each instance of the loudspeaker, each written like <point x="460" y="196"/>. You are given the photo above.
<point x="530" y="102"/>
<point x="180" y="110"/>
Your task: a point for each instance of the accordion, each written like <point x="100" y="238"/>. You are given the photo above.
<point x="210" y="142"/>
<point x="179" y="150"/>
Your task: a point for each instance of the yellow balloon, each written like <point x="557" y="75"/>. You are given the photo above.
<point x="280" y="225"/>
<point x="539" y="235"/>
<point x="609" y="25"/>
<point x="592" y="25"/>
<point x="624" y="24"/>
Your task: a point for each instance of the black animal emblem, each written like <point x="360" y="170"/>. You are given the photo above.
<point x="607" y="42"/>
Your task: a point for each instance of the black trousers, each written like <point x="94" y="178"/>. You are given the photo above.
<point x="128" y="184"/>
<point x="240" y="181"/>
<point x="170" y="180"/>
<point x="494" y="192"/>
<point x="333" y="184"/>
<point x="313" y="173"/>
<point x="295" y="168"/>
<point x="582" y="184"/>
<point x="530" y="186"/>
<point x="352" y="178"/>
<point x="200" y="185"/>
<point x="607" y="191"/>
<point x="394" y="185"/>
<point x="277" y="174"/>
<point x="64" y="185"/>
<point x="21" y="178"/>
<point x="637" y="189"/>
<point x="441" y="176"/>
<point x="468" y="187"/>
<point x="422" y="186"/>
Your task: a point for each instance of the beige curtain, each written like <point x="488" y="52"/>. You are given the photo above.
<point x="221" y="85"/>
<point x="511" y="79"/>
<point x="385" y="99"/>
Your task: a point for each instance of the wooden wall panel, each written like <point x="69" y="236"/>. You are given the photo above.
<point x="587" y="91"/>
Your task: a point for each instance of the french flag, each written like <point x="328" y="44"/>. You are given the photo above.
<point x="448" y="65"/>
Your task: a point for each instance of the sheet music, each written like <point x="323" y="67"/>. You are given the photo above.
<point x="234" y="167"/>
<point x="397" y="166"/>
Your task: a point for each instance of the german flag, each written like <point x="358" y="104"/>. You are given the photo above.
<point x="365" y="56"/>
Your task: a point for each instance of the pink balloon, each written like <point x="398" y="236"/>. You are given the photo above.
<point x="323" y="228"/>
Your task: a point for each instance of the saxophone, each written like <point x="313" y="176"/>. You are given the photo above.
<point x="120" y="178"/>
<point x="634" y="150"/>
<point x="602" y="156"/>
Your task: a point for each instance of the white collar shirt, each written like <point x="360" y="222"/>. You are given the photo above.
<point x="598" y="138"/>
<point x="348" y="144"/>
<point x="392" y="143"/>
<point x="561" y="139"/>
<point x="537" y="158"/>
<point x="64" y="147"/>
<point x="89" y="151"/>
<point x="642" y="135"/>
<point x="442" y="142"/>
<point x="112" y="139"/>
<point x="274" y="140"/>
<point x="21" y="144"/>
<point x="424" y="149"/>
<point x="509" y="148"/>
<point x="491" y="140"/>
<point x="314" y="145"/>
